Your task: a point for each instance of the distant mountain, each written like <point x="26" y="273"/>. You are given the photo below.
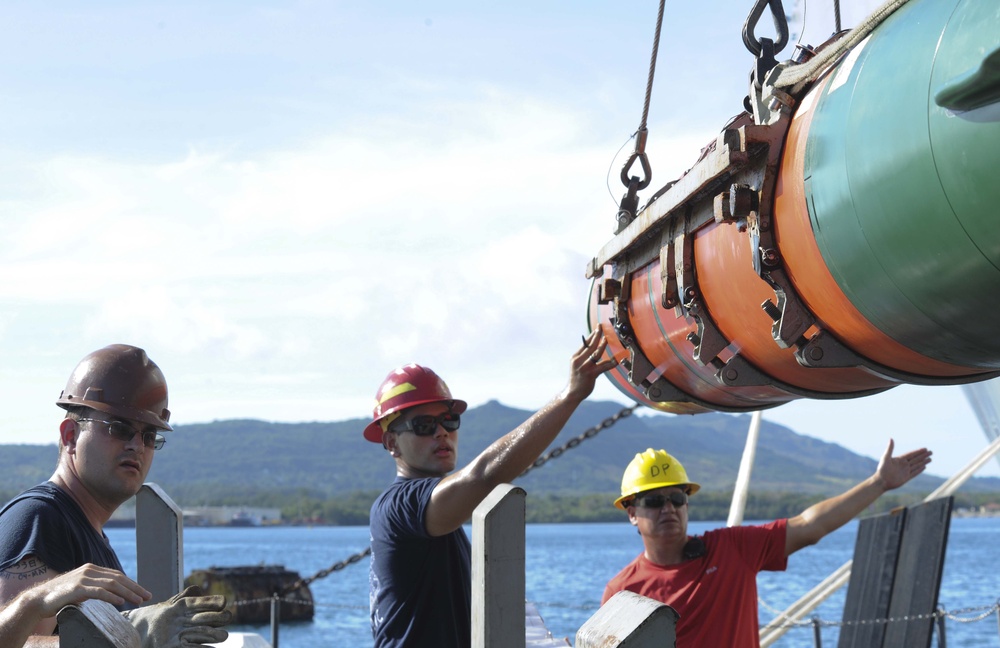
<point x="251" y="456"/>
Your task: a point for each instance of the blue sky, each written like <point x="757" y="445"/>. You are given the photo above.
<point x="282" y="201"/>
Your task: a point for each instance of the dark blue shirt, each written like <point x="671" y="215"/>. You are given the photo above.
<point x="46" y="522"/>
<point x="420" y="587"/>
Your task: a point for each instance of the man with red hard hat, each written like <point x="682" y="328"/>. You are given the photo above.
<point x="52" y="543"/>
<point x="421" y="575"/>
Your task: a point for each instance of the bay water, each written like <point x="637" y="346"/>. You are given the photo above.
<point x="567" y="566"/>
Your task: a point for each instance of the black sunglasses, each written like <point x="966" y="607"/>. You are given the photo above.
<point x="426" y="425"/>
<point x="677" y="498"/>
<point x="124" y="432"/>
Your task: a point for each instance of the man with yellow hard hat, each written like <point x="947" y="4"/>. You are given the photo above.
<point x="711" y="580"/>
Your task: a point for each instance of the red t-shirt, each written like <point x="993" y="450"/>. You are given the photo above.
<point x="715" y="594"/>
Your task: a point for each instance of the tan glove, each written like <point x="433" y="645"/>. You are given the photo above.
<point x="188" y="620"/>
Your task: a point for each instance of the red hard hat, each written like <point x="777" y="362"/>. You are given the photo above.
<point x="408" y="386"/>
<point x="122" y="381"/>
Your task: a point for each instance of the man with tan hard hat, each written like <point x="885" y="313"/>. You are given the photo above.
<point x="52" y="544"/>
<point x="420" y="577"/>
<point x="711" y="580"/>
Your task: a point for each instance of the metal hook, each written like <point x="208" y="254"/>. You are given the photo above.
<point x="638" y="154"/>
<point x="780" y="26"/>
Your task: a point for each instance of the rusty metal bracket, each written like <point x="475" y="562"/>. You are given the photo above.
<point x="608" y="290"/>
<point x="708" y="341"/>
<point x="790" y="316"/>
<point x="740" y="372"/>
<point x="669" y="296"/>
<point x="824" y="350"/>
<point x="791" y="319"/>
<point x="639" y="368"/>
<point x="638" y="365"/>
<point x="663" y="391"/>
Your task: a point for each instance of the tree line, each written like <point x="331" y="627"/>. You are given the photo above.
<point x="303" y="506"/>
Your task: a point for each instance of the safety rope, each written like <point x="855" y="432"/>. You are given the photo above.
<point x="796" y="76"/>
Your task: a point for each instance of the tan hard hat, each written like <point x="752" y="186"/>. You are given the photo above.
<point x="122" y="381"/>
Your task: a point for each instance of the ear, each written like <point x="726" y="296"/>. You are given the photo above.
<point x="68" y="431"/>
<point x="632" y="516"/>
<point x="389" y="443"/>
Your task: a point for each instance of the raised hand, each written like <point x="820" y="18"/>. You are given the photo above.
<point x="896" y="471"/>
<point x="588" y="363"/>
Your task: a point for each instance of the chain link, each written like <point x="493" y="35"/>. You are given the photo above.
<point x="986" y="612"/>
<point x="572" y="443"/>
<point x="981" y="612"/>
<point x="577" y="440"/>
<point x="297" y="601"/>
<point x="323" y="573"/>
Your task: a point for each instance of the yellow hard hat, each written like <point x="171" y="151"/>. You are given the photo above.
<point x="653" y="469"/>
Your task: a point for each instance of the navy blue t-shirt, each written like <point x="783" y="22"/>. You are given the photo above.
<point x="46" y="522"/>
<point x="420" y="587"/>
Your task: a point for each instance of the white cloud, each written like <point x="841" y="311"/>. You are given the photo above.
<point x="281" y="208"/>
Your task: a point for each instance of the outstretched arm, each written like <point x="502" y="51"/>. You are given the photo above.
<point x="456" y="496"/>
<point x="820" y="519"/>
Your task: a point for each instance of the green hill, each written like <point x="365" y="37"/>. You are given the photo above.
<point x="238" y="461"/>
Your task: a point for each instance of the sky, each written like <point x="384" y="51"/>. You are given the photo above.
<point x="283" y="201"/>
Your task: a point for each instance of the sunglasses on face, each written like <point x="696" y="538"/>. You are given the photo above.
<point x="426" y="425"/>
<point x="677" y="498"/>
<point x="124" y="432"/>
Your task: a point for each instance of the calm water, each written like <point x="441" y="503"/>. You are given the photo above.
<point x="567" y="568"/>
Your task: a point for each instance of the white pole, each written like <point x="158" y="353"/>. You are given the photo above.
<point x="984" y="397"/>
<point x="739" y="503"/>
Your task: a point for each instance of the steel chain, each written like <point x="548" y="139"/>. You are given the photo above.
<point x="577" y="440"/>
<point x="323" y="573"/>
<point x="572" y="443"/>
<point x="983" y="612"/>
<point x="297" y="601"/>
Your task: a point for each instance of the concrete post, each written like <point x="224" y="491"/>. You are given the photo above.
<point x="159" y="543"/>
<point x="95" y="624"/>
<point x="629" y="620"/>
<point x="498" y="569"/>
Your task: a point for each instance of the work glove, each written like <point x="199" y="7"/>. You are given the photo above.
<point x="188" y="620"/>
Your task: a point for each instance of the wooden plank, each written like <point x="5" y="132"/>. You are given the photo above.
<point x="918" y="574"/>
<point x="873" y="570"/>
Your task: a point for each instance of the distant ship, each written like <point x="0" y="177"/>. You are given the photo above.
<point x="244" y="519"/>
